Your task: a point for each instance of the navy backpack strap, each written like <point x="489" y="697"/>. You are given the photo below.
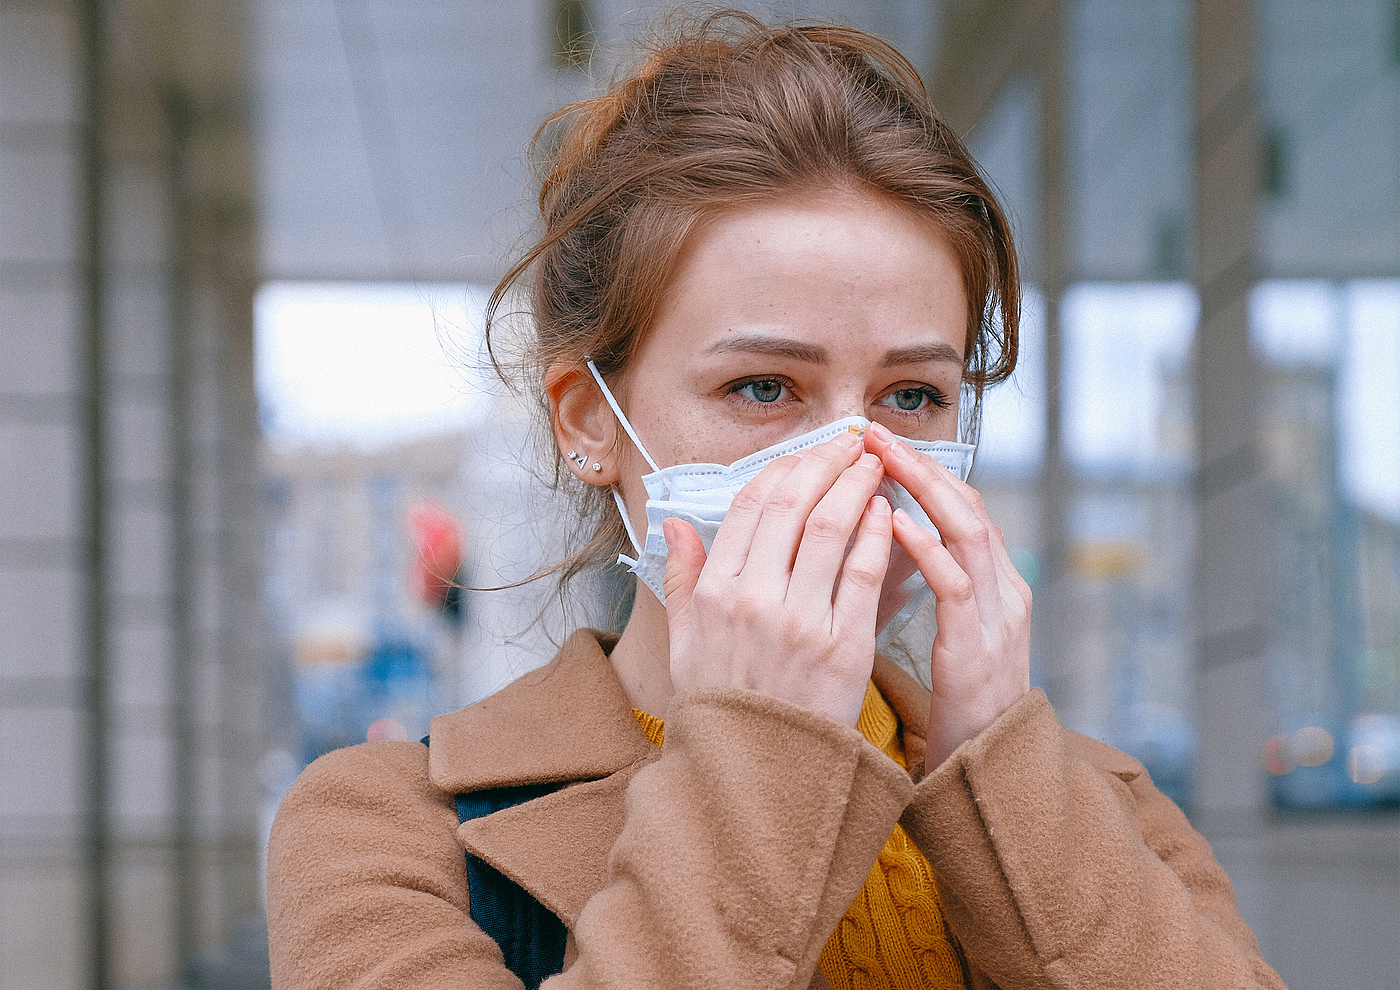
<point x="531" y="937"/>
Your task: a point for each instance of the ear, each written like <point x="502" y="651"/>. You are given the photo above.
<point x="583" y="423"/>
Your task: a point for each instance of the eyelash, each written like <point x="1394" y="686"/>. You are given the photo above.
<point x="734" y="388"/>
<point x="936" y="398"/>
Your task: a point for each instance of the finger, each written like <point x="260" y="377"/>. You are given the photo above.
<point x="1014" y="586"/>
<point x="787" y="507"/>
<point x="954" y="508"/>
<point x="894" y="596"/>
<point x="826" y="535"/>
<point x="730" y="547"/>
<point x="685" y="557"/>
<point x="955" y="599"/>
<point x="857" y="598"/>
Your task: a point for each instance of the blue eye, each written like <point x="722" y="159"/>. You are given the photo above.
<point x="908" y="399"/>
<point x="766" y="390"/>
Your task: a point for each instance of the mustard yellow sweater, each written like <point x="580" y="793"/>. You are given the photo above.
<point x="893" y="936"/>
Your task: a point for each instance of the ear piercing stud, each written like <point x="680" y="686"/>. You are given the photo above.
<point x="580" y="459"/>
<point x="596" y="466"/>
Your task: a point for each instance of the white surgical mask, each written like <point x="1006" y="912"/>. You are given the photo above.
<point x="700" y="494"/>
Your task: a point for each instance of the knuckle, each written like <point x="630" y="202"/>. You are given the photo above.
<point x="825" y="526"/>
<point x="746" y="606"/>
<point x="960" y="588"/>
<point x="671" y="583"/>
<point x="863" y="574"/>
<point x="784" y="499"/>
<point x="968" y="532"/>
<point x="792" y="628"/>
<point x="706" y="596"/>
<point x="749" y="499"/>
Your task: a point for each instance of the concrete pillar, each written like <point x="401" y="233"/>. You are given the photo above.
<point x="1233" y="575"/>
<point x="44" y="882"/>
<point x="1053" y="269"/>
<point x="128" y="630"/>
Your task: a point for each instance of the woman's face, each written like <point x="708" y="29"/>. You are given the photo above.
<point x="783" y="317"/>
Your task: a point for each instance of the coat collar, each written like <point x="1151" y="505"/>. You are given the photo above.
<point x="568" y="720"/>
<point x="571" y="720"/>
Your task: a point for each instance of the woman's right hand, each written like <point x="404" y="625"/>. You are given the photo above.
<point x="779" y="606"/>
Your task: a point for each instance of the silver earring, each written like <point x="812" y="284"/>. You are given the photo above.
<point x="597" y="466"/>
<point x="579" y="459"/>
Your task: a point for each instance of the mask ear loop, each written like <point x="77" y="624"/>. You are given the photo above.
<point x="617" y="411"/>
<point x="622" y="558"/>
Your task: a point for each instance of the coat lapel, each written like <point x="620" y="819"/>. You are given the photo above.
<point x="567" y="721"/>
<point x="555" y="846"/>
<point x="570" y="720"/>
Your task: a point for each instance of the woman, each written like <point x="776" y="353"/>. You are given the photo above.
<point x="761" y="250"/>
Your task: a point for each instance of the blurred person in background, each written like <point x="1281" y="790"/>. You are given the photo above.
<point x="770" y="290"/>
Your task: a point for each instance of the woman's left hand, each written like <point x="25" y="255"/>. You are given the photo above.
<point x="981" y="654"/>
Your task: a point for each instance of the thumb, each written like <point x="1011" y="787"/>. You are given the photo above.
<point x="685" y="556"/>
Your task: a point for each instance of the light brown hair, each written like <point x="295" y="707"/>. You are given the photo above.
<point x="730" y="113"/>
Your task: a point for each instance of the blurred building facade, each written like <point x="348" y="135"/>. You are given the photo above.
<point x="1211" y="587"/>
<point x="1208" y="567"/>
<point x="339" y="587"/>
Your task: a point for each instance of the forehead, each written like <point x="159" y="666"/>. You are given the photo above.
<point x="843" y="270"/>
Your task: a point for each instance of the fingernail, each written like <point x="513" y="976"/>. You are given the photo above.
<point x="878" y="504"/>
<point x="668" y="529"/>
<point x="848" y="441"/>
<point x="880" y="433"/>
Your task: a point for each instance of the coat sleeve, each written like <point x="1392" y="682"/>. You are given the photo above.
<point x="740" y="849"/>
<point x="1059" y="864"/>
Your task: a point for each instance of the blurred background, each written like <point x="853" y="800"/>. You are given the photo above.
<point x="245" y="433"/>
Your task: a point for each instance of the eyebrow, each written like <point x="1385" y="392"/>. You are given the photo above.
<point x="921" y="353"/>
<point x="813" y="354"/>
<point x="753" y="343"/>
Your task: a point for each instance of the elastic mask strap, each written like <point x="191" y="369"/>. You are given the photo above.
<point x="627" y="524"/>
<point x="617" y="411"/>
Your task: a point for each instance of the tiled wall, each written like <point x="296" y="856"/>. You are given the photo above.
<point x="42" y="932"/>
<point x="45" y="752"/>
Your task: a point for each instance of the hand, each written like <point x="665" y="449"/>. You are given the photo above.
<point x="981" y="654"/>
<point x="780" y="606"/>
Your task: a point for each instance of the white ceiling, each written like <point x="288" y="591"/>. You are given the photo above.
<point x="392" y="133"/>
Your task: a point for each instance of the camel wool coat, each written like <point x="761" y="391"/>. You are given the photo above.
<point x="725" y="859"/>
